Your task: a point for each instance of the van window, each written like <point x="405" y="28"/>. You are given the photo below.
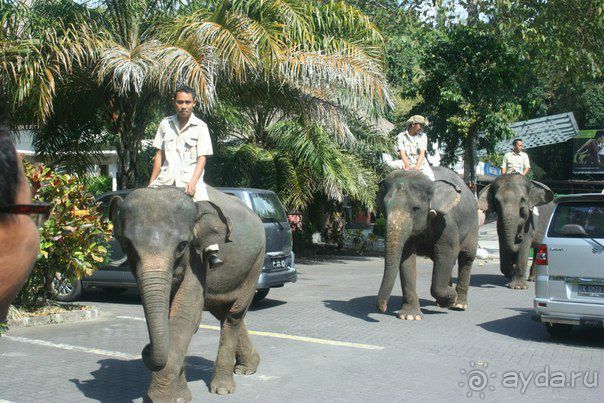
<point x="578" y="220"/>
<point x="268" y="207"/>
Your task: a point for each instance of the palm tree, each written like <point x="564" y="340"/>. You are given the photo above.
<point x="289" y="93"/>
<point x="308" y="60"/>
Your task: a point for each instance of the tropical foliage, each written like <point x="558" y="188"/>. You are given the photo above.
<point x="309" y="64"/>
<point x="73" y="241"/>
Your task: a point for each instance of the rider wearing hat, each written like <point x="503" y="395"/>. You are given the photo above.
<point x="412" y="145"/>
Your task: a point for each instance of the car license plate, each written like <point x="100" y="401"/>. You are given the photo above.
<point x="278" y="263"/>
<point x="592" y="322"/>
<point x="591" y="290"/>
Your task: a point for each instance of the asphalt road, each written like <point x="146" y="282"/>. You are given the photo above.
<point x="322" y="340"/>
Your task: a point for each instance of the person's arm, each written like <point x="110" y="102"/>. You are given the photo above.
<point x="157" y="163"/>
<point x="199" y="167"/>
<point x="405" y="160"/>
<point x="527" y="165"/>
<point x="420" y="159"/>
<point x="504" y="165"/>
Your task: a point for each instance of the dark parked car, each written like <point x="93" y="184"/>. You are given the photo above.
<point x="279" y="265"/>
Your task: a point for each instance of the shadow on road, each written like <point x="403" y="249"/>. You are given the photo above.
<point x="521" y="326"/>
<point x="125" y="381"/>
<point x="330" y="259"/>
<point x="488" y="280"/>
<point x="265" y="303"/>
<point x="362" y="307"/>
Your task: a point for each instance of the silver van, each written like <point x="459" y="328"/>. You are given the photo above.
<point x="569" y="287"/>
<point x="279" y="262"/>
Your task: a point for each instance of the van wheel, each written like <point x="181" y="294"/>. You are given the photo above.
<point x="558" y="329"/>
<point x="261" y="294"/>
<point x="65" y="290"/>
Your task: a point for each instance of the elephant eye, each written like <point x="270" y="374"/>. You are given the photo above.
<point x="416" y="208"/>
<point x="181" y="247"/>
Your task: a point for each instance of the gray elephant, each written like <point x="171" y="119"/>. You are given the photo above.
<point x="162" y="232"/>
<point x="434" y="219"/>
<point x="512" y="197"/>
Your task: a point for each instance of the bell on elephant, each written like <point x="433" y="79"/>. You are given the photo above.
<point x="432" y="219"/>
<point x="164" y="233"/>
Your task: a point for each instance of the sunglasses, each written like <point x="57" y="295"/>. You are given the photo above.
<point x="39" y="212"/>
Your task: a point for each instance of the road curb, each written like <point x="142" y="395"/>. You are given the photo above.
<point x="55" y="318"/>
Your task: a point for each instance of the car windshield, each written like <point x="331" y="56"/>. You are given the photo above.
<point x="578" y="220"/>
<point x="268" y="207"/>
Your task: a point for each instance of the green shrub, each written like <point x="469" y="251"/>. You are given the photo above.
<point x="74" y="239"/>
<point x="98" y="185"/>
<point x="379" y="228"/>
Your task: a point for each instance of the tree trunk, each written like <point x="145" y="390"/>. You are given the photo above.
<point x="130" y="132"/>
<point x="469" y="159"/>
<point x="473" y="14"/>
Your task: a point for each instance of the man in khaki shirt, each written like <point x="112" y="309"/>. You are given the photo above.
<point x="516" y="161"/>
<point x="183" y="142"/>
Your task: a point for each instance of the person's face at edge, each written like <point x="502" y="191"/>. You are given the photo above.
<point x="184" y="104"/>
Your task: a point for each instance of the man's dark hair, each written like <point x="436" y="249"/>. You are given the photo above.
<point x="9" y="166"/>
<point x="599" y="133"/>
<point x="516" y="141"/>
<point x="187" y="90"/>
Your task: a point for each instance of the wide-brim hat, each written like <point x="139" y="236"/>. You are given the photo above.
<point x="417" y="119"/>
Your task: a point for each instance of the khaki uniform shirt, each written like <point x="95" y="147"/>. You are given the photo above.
<point x="412" y="145"/>
<point x="515" y="162"/>
<point x="181" y="149"/>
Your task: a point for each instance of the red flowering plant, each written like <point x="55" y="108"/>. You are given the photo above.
<point x="74" y="238"/>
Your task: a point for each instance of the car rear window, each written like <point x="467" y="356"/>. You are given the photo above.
<point x="268" y="207"/>
<point x="578" y="220"/>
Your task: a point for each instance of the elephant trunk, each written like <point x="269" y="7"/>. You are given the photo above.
<point x="510" y="232"/>
<point x="397" y="233"/>
<point x="155" y="286"/>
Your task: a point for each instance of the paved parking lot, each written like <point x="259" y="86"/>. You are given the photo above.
<point x="322" y="340"/>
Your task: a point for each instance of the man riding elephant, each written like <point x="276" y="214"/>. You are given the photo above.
<point x="183" y="143"/>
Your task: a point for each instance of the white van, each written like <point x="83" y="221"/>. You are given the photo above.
<point x="569" y="286"/>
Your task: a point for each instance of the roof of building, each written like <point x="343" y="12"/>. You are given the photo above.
<point x="542" y="131"/>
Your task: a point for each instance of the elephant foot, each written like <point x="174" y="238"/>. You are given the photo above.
<point x="179" y="395"/>
<point x="459" y="305"/>
<point x="409" y="312"/>
<point x="222" y="385"/>
<point x="382" y="306"/>
<point x="248" y="364"/>
<point x="518" y="284"/>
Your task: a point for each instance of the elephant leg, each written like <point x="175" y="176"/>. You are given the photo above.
<point x="408" y="270"/>
<point x="444" y="259"/>
<point x="532" y="271"/>
<point x="230" y="328"/>
<point x="170" y="383"/>
<point x="464" y="271"/>
<point x="519" y="274"/>
<point x="246" y="356"/>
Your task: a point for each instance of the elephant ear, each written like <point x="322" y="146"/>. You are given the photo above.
<point x="114" y="209"/>
<point x="446" y="196"/>
<point x="540" y="194"/>
<point x="484" y="199"/>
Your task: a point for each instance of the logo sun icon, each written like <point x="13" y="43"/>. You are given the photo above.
<point x="477" y="379"/>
